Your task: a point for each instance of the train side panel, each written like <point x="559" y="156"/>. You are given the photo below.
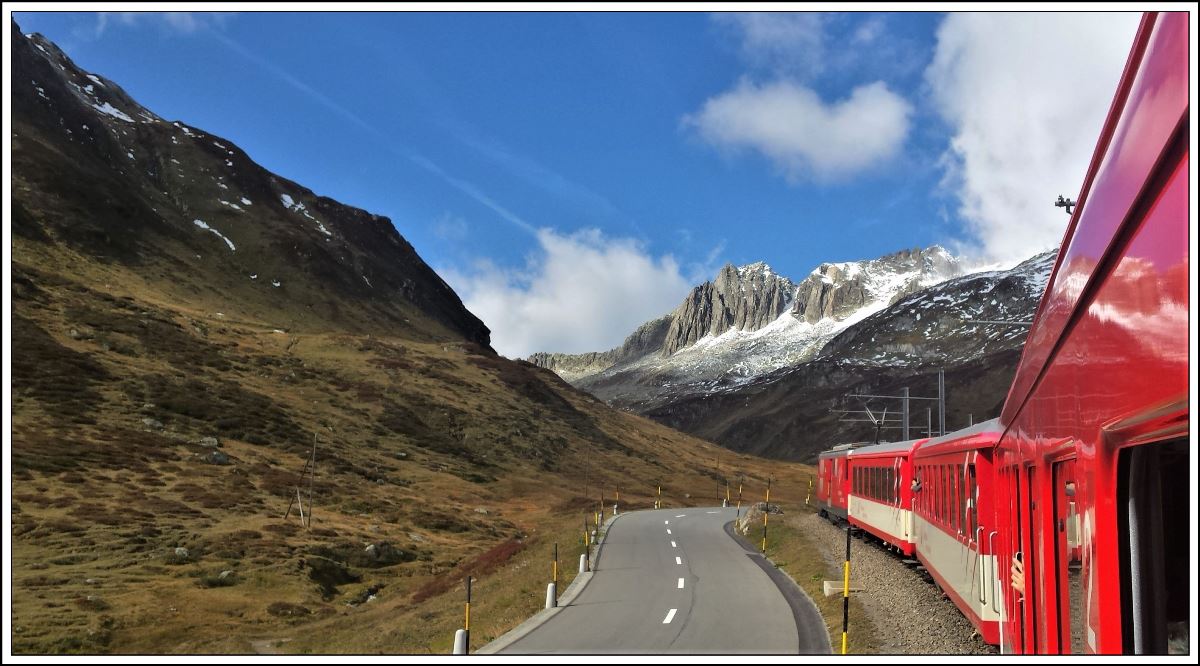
<point x="956" y="523"/>
<point x="880" y="498"/>
<point x="1093" y="463"/>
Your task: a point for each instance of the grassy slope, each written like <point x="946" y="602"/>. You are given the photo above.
<point x="802" y="558"/>
<point x="413" y="437"/>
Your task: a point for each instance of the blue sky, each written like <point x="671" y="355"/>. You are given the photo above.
<point x="531" y="157"/>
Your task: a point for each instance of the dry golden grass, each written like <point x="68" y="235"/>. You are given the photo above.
<point x="459" y="461"/>
<point x="801" y="557"/>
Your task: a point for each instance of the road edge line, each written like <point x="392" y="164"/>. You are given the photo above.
<point x="795" y="596"/>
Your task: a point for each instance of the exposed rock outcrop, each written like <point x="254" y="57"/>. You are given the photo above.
<point x="834" y="291"/>
<point x="746" y="298"/>
<point x="647" y="339"/>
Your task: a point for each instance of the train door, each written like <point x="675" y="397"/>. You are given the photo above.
<point x="1009" y="513"/>
<point x="1021" y="606"/>
<point x="1029" y="606"/>
<point x="1071" y="588"/>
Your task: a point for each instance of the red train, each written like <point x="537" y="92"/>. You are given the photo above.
<point x="1084" y="478"/>
<point x="953" y="523"/>
<point x="881" y="492"/>
<point x="833" y="482"/>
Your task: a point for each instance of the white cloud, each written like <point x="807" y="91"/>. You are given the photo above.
<point x="868" y="31"/>
<point x="184" y="22"/>
<point x="578" y="293"/>
<point x="789" y="43"/>
<point x="451" y="228"/>
<point x="801" y="133"/>
<point x="1025" y="95"/>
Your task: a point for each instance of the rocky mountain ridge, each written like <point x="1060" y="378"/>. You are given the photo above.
<point x="749" y="321"/>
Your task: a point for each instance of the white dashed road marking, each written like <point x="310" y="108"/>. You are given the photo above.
<point x="681" y="583"/>
<point x="673" y="545"/>
<point x="678" y="560"/>
<point x="670" y="616"/>
<point x="682" y="516"/>
<point x="668" y="531"/>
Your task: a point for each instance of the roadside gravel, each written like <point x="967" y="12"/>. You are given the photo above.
<point x="910" y="615"/>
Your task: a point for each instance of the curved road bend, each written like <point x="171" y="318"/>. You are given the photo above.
<point x="673" y="581"/>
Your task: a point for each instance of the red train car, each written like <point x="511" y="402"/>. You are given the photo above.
<point x="1096" y="439"/>
<point x="954" y="521"/>
<point x="881" y="493"/>
<point x="833" y="482"/>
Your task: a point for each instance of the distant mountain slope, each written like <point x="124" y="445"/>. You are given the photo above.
<point x="787" y="413"/>
<point x="98" y="172"/>
<point x="755" y="361"/>
<point x="746" y="323"/>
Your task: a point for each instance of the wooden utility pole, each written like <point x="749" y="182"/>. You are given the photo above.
<point x="297" y="499"/>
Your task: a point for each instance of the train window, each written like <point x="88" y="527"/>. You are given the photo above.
<point x="1153" y="493"/>
<point x="964" y="527"/>
<point x="935" y="488"/>
<point x="955" y="482"/>
<point x="972" y="501"/>
<point x="935" y="502"/>
<point x="945" y="494"/>
<point x="950" y="496"/>
<point x="926" y="490"/>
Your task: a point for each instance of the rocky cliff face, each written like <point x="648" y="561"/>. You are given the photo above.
<point x="835" y="291"/>
<point x="647" y="339"/>
<point x="746" y="299"/>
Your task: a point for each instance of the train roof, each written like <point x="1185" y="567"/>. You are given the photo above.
<point x="981" y="427"/>
<point x="887" y="447"/>
<point x="992" y="427"/>
<point x="840" y="449"/>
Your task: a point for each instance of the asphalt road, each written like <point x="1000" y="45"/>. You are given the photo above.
<point x="673" y="581"/>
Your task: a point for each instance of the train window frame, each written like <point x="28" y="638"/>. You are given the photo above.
<point x="973" y="500"/>
<point x="954" y="524"/>
<point x="889" y="485"/>
<point x="945" y="512"/>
